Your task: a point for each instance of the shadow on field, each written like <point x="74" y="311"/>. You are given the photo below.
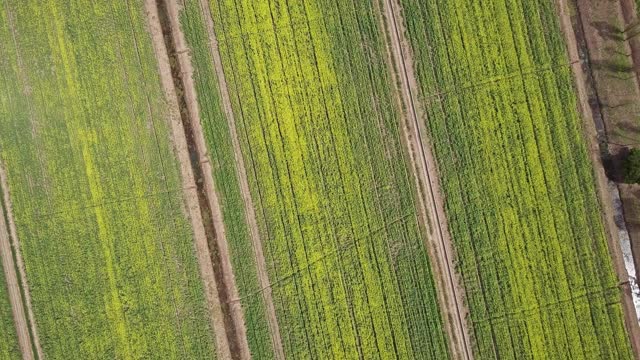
<point x="608" y="31"/>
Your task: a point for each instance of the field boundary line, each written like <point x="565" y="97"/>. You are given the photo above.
<point x="191" y="196"/>
<point x="261" y="265"/>
<point x="425" y="171"/>
<point x="18" y="289"/>
<point x="574" y="34"/>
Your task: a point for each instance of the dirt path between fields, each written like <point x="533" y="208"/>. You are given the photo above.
<point x="589" y="105"/>
<point x="195" y="194"/>
<point x="261" y="264"/>
<point x="183" y="78"/>
<point x="630" y="16"/>
<point x="18" y="303"/>
<point x="439" y="244"/>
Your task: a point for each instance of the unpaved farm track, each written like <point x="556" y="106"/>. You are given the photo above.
<point x="431" y="202"/>
<point x="182" y="72"/>
<point x="25" y="326"/>
<point x="197" y="205"/>
<point x="574" y="32"/>
<point x="630" y="15"/>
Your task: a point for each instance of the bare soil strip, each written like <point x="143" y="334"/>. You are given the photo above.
<point x="261" y="265"/>
<point x="589" y="104"/>
<point x="8" y="240"/>
<point x="630" y="16"/>
<point x="432" y="205"/>
<point x="195" y="204"/>
<point x="210" y="205"/>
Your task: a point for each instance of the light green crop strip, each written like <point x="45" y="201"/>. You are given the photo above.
<point x="520" y="189"/>
<point x="341" y="236"/>
<point x="95" y="185"/>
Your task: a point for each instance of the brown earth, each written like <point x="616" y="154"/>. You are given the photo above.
<point x="193" y="201"/>
<point x="11" y="277"/>
<point x="632" y="32"/>
<point x="586" y="43"/>
<point x="261" y="265"/>
<point x="183" y="80"/>
<point x="439" y="244"/>
<point x="611" y="66"/>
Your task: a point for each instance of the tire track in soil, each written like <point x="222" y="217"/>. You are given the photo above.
<point x="198" y="199"/>
<point x="261" y="265"/>
<point x="450" y="292"/>
<point x="9" y="251"/>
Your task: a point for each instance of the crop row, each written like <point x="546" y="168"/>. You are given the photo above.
<point x="319" y="129"/>
<point x="520" y="191"/>
<point x="95" y="185"/>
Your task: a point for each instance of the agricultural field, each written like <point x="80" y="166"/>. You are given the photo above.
<point x="95" y="186"/>
<point x="501" y="112"/>
<point x="317" y="125"/>
<point x="301" y="179"/>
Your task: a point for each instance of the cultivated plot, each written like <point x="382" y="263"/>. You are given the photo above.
<point x="501" y="112"/>
<point x="95" y="186"/>
<point x="318" y="133"/>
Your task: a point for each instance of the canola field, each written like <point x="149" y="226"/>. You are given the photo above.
<point x="319" y="130"/>
<point x="95" y="185"/>
<point x="303" y="122"/>
<point x="520" y="192"/>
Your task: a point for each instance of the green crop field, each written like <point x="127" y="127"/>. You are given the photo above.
<point x="309" y="135"/>
<point x="95" y="185"/>
<point x="319" y="130"/>
<point x="520" y="190"/>
<point x="9" y="348"/>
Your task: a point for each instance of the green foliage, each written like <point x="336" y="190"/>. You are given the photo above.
<point x="632" y="167"/>
<point x="519" y="186"/>
<point x="319" y="131"/>
<point x="95" y="186"/>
